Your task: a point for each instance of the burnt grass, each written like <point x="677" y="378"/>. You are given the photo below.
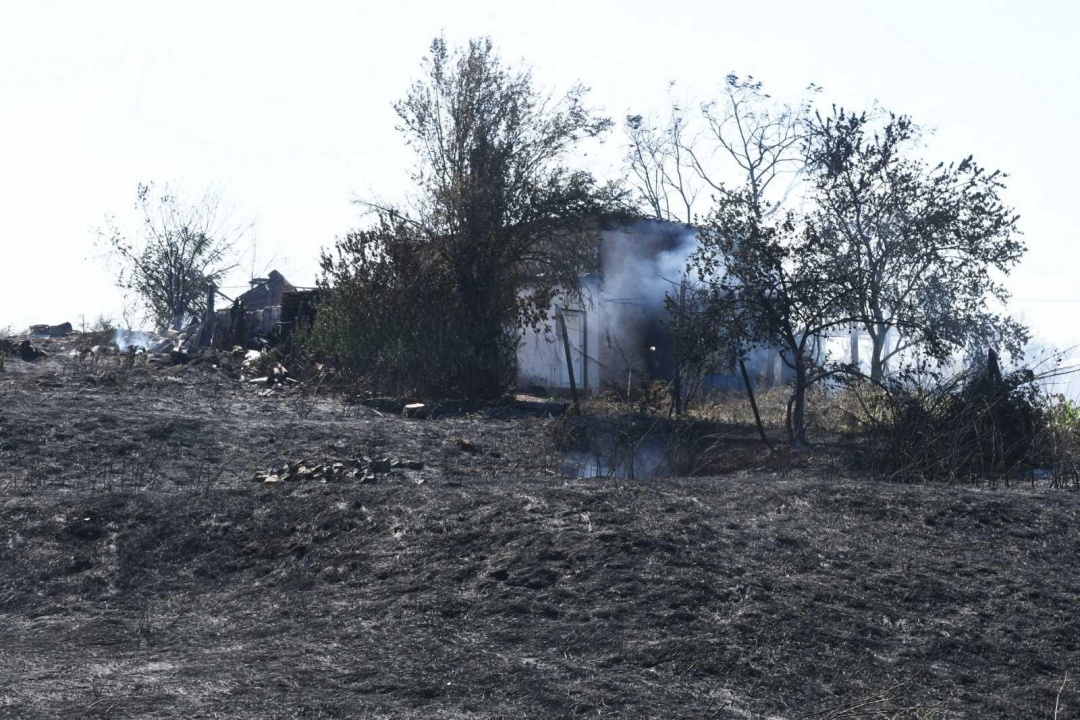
<point x="144" y="574"/>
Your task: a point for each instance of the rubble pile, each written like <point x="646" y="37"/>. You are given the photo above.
<point x="51" y="331"/>
<point x="135" y="348"/>
<point x="363" y="469"/>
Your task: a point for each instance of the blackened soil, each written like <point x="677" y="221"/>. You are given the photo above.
<point x="483" y="585"/>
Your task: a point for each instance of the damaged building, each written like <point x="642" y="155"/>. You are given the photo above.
<point x="271" y="307"/>
<point x="616" y="333"/>
<point x="263" y="300"/>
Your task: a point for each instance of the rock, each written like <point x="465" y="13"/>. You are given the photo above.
<point x="272" y="479"/>
<point x="407" y="464"/>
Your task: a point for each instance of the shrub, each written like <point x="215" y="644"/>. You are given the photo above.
<point x="395" y="325"/>
<point x="975" y="425"/>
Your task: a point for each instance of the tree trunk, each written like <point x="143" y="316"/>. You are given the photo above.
<point x="753" y="404"/>
<point x="877" y="363"/>
<point x="797" y="414"/>
<point x="177" y="320"/>
<point x="569" y="358"/>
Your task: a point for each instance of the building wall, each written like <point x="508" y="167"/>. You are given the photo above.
<point x="618" y="332"/>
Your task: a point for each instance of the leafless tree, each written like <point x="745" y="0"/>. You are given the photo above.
<point x="741" y="139"/>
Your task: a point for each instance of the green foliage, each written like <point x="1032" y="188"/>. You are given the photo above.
<point x="764" y="274"/>
<point x="1065" y="414"/>
<point x="432" y="299"/>
<point x="391" y="318"/>
<point x="917" y="247"/>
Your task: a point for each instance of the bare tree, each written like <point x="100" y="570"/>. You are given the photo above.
<point x="178" y="250"/>
<point x="758" y="268"/>
<point x="663" y="176"/>
<point x="741" y="139"/>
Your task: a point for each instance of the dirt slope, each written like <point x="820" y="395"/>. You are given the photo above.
<point x="144" y="575"/>
<point x="517" y="598"/>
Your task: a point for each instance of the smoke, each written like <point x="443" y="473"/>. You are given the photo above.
<point x="646" y="261"/>
<point x="641" y="264"/>
<point x="125" y="339"/>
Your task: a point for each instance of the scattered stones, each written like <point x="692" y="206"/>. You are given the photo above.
<point x="363" y="469"/>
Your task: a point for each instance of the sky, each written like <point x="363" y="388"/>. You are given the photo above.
<point x="285" y="108"/>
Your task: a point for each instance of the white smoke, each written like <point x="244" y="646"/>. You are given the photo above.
<point x="125" y="339"/>
<point x="646" y="261"/>
<point x="641" y="265"/>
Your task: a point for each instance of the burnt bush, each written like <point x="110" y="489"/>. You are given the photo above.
<point x="976" y="425"/>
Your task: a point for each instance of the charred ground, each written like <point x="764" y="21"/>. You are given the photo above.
<point x="144" y="573"/>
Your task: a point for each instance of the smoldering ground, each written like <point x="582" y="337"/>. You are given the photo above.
<point x="487" y="584"/>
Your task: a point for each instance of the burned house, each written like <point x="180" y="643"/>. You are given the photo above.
<point x="270" y="308"/>
<point x="617" y="333"/>
<point x="263" y="301"/>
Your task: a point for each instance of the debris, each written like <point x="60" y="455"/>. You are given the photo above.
<point x="29" y="353"/>
<point x="365" y="469"/>
<point x="51" y="331"/>
<point x="415" y="410"/>
<point x="468" y="446"/>
<point x="85" y="353"/>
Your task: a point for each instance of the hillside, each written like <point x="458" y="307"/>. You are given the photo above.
<point x="144" y="574"/>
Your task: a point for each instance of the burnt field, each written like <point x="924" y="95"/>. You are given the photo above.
<point x="451" y="567"/>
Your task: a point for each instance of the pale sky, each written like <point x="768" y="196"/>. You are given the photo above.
<point x="286" y="108"/>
